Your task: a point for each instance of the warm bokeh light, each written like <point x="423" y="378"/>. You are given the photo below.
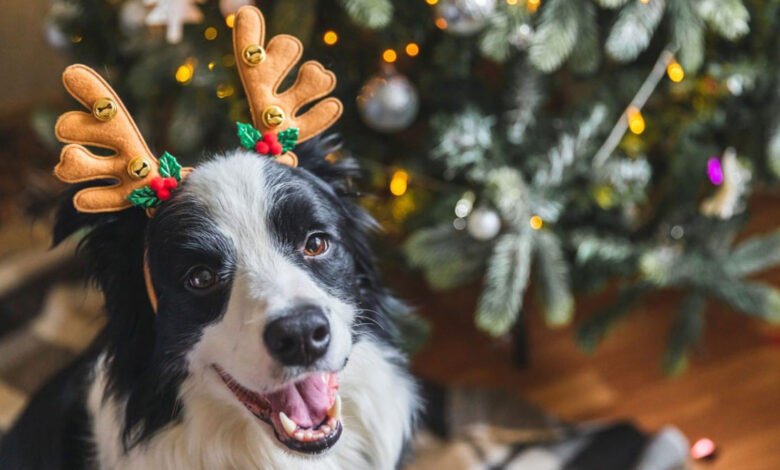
<point x="230" y="20"/>
<point x="412" y="49"/>
<point x="536" y="222"/>
<point x="389" y="56"/>
<point x="432" y="2"/>
<point x="532" y="5"/>
<point x="703" y="448"/>
<point x="330" y="38"/>
<point x="675" y="71"/>
<point x="636" y="122"/>
<point x="441" y="23"/>
<point x="644" y="1"/>
<point x="211" y="65"/>
<point x="511" y="2"/>
<point x="184" y="73"/>
<point x="224" y="90"/>
<point x="399" y="182"/>
<point x="210" y="33"/>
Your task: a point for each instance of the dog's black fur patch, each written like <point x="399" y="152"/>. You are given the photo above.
<point x="146" y="350"/>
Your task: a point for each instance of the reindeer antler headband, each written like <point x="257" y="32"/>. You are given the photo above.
<point x="141" y="180"/>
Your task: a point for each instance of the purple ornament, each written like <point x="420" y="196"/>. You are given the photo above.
<point x="715" y="171"/>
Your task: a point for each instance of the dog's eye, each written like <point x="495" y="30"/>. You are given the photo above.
<point x="201" y="277"/>
<point x="316" y="244"/>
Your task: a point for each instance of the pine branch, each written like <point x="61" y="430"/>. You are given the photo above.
<point x="631" y="33"/>
<point x="749" y="297"/>
<point x="595" y="328"/>
<point x="372" y="14"/>
<point x="498" y="39"/>
<point x="754" y="255"/>
<point x="556" y="35"/>
<point x="505" y="283"/>
<point x="586" y="56"/>
<point x="612" y="3"/>
<point x="686" y="330"/>
<point x="507" y="190"/>
<point x="687" y="34"/>
<point x="525" y="97"/>
<point x="729" y="18"/>
<point x="448" y="258"/>
<point x="552" y="277"/>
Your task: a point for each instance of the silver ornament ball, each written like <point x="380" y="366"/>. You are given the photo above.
<point x="388" y="103"/>
<point x="465" y="16"/>
<point x="483" y="224"/>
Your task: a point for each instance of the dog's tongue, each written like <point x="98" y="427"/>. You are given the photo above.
<point x="305" y="402"/>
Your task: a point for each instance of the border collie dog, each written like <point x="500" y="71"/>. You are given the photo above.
<point x="273" y="345"/>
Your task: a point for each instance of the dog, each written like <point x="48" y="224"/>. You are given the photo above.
<point x="273" y="344"/>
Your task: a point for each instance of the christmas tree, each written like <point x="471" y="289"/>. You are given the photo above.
<point x="559" y="143"/>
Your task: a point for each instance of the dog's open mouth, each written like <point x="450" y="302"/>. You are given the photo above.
<point x="305" y="415"/>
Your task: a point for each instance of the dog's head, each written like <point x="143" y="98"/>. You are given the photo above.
<point x="264" y="280"/>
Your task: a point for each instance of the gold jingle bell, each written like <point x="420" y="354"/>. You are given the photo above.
<point x="138" y="167"/>
<point x="104" y="109"/>
<point x="273" y="116"/>
<point x="253" y="54"/>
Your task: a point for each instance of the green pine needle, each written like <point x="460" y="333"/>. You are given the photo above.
<point x="505" y="283"/>
<point x="556" y="35"/>
<point x="687" y="31"/>
<point x="373" y="14"/>
<point x="552" y="278"/>
<point x="631" y="33"/>
<point x="686" y="331"/>
<point x="729" y="18"/>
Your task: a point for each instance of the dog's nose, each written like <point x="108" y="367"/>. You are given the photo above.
<point x="300" y="337"/>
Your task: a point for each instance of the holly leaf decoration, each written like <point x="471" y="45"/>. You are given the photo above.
<point x="248" y="135"/>
<point x="145" y="197"/>
<point x="169" y="167"/>
<point x="288" y="138"/>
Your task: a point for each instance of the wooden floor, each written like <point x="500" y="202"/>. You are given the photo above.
<point x="730" y="392"/>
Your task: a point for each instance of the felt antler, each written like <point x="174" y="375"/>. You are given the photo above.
<point x="262" y="71"/>
<point x="133" y="167"/>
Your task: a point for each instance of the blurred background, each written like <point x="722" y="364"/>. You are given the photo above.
<point x="579" y="197"/>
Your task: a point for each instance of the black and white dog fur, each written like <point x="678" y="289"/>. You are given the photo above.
<point x="265" y="281"/>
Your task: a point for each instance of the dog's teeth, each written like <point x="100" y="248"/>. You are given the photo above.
<point x="288" y="424"/>
<point x="317" y="435"/>
<point x="298" y="435"/>
<point x="332" y="423"/>
<point x="326" y="429"/>
<point x="335" y="410"/>
<point x="307" y="436"/>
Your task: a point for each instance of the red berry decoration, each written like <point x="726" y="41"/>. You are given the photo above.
<point x="170" y="183"/>
<point x="270" y="138"/>
<point x="262" y="147"/>
<point x="276" y="148"/>
<point x="164" y="194"/>
<point x="156" y="184"/>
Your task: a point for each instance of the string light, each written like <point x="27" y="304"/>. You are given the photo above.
<point x="536" y="222"/>
<point x="511" y="2"/>
<point x="715" y="171"/>
<point x="432" y="2"/>
<point x="635" y="120"/>
<point x="389" y="56"/>
<point x="441" y="23"/>
<point x="76" y="39"/>
<point x="412" y="49"/>
<point x="532" y="5"/>
<point x="644" y="1"/>
<point x="330" y="37"/>
<point x="185" y="71"/>
<point x="230" y="20"/>
<point x="703" y="449"/>
<point x="211" y="65"/>
<point x="675" y="71"/>
<point x="399" y="183"/>
<point x="210" y="33"/>
<point x="224" y="90"/>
